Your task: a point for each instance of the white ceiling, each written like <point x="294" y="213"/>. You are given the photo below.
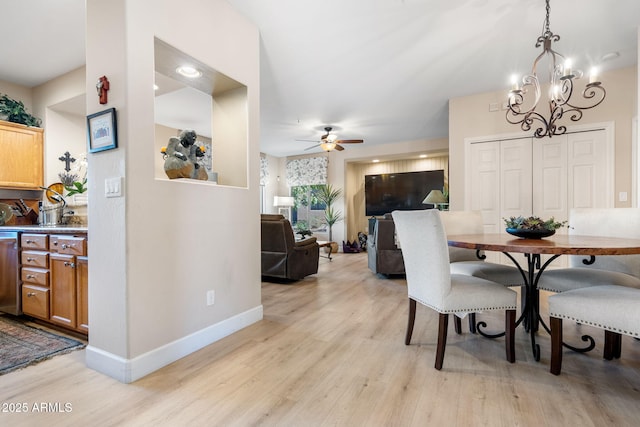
<point x="378" y="70"/>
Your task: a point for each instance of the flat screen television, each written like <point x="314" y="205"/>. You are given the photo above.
<point x="403" y="191"/>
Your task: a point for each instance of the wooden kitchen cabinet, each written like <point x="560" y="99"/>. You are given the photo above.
<point x="82" y="293"/>
<point x="63" y="290"/>
<point x="54" y="273"/>
<point x="35" y="275"/>
<point x="22" y="159"/>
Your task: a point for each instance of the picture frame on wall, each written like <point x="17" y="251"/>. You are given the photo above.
<point x="102" y="130"/>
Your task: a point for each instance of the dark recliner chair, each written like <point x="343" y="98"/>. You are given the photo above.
<point x="384" y="256"/>
<point x="282" y="256"/>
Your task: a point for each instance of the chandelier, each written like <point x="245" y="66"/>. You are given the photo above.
<point x="561" y="77"/>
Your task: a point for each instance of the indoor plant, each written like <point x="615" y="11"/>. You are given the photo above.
<point x="532" y="227"/>
<point x="16" y="112"/>
<point x="328" y="195"/>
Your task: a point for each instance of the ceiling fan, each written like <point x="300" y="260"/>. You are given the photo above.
<point x="329" y="141"/>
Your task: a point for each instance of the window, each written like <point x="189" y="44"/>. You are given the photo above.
<point x="307" y="212"/>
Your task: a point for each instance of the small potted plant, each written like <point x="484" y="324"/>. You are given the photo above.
<point x="328" y="195"/>
<point x="532" y="227"/>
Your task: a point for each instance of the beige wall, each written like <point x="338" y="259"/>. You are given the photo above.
<point x="470" y="117"/>
<point x="165" y="243"/>
<point x="19" y="93"/>
<point x="276" y="182"/>
<point x="229" y="139"/>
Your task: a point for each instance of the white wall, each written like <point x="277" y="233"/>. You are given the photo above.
<point x="164" y="244"/>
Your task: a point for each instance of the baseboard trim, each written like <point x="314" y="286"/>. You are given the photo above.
<point x="129" y="370"/>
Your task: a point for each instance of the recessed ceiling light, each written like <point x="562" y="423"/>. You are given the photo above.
<point x="375" y="161"/>
<point x="423" y="156"/>
<point x="188" y="71"/>
<point x="155" y="87"/>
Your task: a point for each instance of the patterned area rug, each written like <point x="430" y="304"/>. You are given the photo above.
<point x="22" y="345"/>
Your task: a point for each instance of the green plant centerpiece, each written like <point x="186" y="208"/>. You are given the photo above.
<point x="328" y="195"/>
<point x="15" y="112"/>
<point x="532" y="227"/>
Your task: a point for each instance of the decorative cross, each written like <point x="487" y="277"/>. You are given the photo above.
<point x="67" y="159"/>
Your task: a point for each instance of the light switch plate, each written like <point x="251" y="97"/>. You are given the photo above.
<point x="113" y="187"/>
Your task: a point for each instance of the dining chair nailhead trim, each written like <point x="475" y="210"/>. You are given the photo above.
<point x="596" y="324"/>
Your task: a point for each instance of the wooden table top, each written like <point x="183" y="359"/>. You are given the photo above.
<point x="556" y="244"/>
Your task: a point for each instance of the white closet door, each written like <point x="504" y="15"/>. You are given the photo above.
<point x="500" y="182"/>
<point x="484" y="181"/>
<point x="571" y="171"/>
<point x="515" y="179"/>
<point x="550" y="178"/>
<point x="588" y="174"/>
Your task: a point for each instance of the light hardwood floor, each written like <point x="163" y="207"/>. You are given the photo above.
<point x="330" y="352"/>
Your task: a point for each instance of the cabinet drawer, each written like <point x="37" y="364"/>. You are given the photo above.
<point x="35" y="259"/>
<point x="34" y="241"/>
<point x="35" y="301"/>
<point x="70" y="245"/>
<point x="37" y="276"/>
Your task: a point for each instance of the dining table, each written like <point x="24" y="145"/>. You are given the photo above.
<point x="534" y="266"/>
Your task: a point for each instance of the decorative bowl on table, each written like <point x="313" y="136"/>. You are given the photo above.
<point x="530" y="233"/>
<point x="532" y="227"/>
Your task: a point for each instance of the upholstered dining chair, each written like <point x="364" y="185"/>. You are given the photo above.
<point x="466" y="261"/>
<point x="622" y="270"/>
<point x="430" y="282"/>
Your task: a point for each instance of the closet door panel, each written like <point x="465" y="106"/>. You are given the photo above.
<point x="587" y="170"/>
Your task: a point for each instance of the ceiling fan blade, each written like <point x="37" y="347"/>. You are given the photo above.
<point x="350" y="141"/>
<point x="312" y="147"/>
<point x="339" y="147"/>
<point x="307" y="140"/>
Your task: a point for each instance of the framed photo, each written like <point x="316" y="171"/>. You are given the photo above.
<point x="102" y="130"/>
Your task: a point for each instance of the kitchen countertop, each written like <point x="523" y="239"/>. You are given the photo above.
<point x="69" y="228"/>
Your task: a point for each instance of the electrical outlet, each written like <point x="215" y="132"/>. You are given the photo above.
<point x="211" y="297"/>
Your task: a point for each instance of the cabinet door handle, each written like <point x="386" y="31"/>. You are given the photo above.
<point x="31" y="294"/>
<point x="31" y="276"/>
<point x="28" y="242"/>
<point x="69" y="264"/>
<point x="30" y="259"/>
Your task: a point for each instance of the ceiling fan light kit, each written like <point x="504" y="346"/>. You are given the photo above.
<point x="561" y="77"/>
<point x="329" y="141"/>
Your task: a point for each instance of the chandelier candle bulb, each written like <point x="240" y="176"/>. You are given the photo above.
<point x="593" y="77"/>
<point x="514" y="82"/>
<point x="567" y="68"/>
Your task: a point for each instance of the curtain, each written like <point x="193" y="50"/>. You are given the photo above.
<point x="307" y="171"/>
<point x="264" y="170"/>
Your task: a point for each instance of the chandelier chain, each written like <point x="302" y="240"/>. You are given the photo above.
<point x="547" y="25"/>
